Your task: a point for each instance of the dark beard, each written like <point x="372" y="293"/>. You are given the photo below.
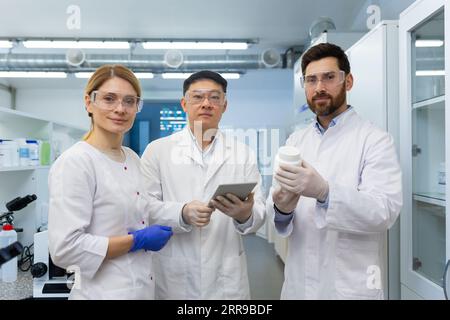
<point x="331" y="107"/>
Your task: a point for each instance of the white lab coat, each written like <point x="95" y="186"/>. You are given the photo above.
<point x="92" y="198"/>
<point x="207" y="262"/>
<point x="336" y="253"/>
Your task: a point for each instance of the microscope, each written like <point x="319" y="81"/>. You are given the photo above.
<point x="9" y="251"/>
<point x="15" y="205"/>
<point x="49" y="280"/>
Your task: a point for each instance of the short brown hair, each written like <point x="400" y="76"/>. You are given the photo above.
<point x="325" y="50"/>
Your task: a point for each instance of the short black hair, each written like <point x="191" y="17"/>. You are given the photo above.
<point x="325" y="50"/>
<point x="203" y="75"/>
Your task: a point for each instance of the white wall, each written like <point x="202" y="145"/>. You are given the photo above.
<point x="255" y="108"/>
<point x="263" y="99"/>
<point x="5" y="99"/>
<point x="389" y="10"/>
<point x="63" y="105"/>
<point x="5" y="96"/>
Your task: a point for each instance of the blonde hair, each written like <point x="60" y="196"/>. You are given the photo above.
<point x="104" y="73"/>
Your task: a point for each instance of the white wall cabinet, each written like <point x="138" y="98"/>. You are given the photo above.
<point x="20" y="181"/>
<point x="425" y="148"/>
<point x="374" y="65"/>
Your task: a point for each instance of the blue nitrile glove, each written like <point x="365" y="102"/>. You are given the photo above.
<point x="151" y="238"/>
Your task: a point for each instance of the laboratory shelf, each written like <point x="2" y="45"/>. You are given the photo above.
<point x="11" y="115"/>
<point x="431" y="198"/>
<point x="22" y="168"/>
<point x="435" y="101"/>
<point x="22" y="180"/>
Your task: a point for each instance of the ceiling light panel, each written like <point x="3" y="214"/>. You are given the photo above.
<point x="38" y="44"/>
<point x="4" y="44"/>
<point x="195" y="45"/>
<point x="31" y="74"/>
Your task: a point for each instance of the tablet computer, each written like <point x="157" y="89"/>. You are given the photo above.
<point x="241" y="190"/>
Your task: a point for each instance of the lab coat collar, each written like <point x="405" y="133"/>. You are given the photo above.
<point x="221" y="151"/>
<point x="186" y="137"/>
<point x="337" y="121"/>
<point x="186" y="144"/>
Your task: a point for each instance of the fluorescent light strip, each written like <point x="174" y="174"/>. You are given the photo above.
<point x="83" y="75"/>
<point x="429" y="43"/>
<point x="231" y="76"/>
<point x="429" y="73"/>
<point x="144" y="75"/>
<point x="30" y="74"/>
<point x="5" y="44"/>
<point x="174" y="75"/>
<point x="196" y="45"/>
<point x="139" y="75"/>
<point x="37" y="44"/>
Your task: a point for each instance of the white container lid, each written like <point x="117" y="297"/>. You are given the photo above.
<point x="289" y="153"/>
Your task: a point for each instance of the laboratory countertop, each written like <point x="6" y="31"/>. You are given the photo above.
<point x="22" y="288"/>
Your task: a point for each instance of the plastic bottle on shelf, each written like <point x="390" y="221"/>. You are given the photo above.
<point x="9" y="269"/>
<point x="5" y="154"/>
<point x="14" y="148"/>
<point x="24" y="152"/>
<point x="287" y="155"/>
<point x="33" y="147"/>
<point x="9" y="154"/>
<point x="44" y="153"/>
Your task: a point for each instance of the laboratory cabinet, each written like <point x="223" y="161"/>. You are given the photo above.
<point x="374" y="96"/>
<point x="19" y="181"/>
<point x="424" y="142"/>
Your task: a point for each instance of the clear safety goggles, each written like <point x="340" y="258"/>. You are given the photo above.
<point x="197" y="96"/>
<point x="110" y="100"/>
<point x="327" y="78"/>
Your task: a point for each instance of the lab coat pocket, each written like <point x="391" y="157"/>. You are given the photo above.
<point x="141" y="264"/>
<point x="171" y="278"/>
<point x="234" y="278"/>
<point x="356" y="256"/>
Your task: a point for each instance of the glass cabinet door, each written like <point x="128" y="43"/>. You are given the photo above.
<point x="428" y="149"/>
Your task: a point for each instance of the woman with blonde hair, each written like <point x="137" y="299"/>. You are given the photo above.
<point x="99" y="222"/>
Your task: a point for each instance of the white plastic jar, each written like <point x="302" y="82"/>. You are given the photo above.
<point x="9" y="269"/>
<point x="286" y="155"/>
